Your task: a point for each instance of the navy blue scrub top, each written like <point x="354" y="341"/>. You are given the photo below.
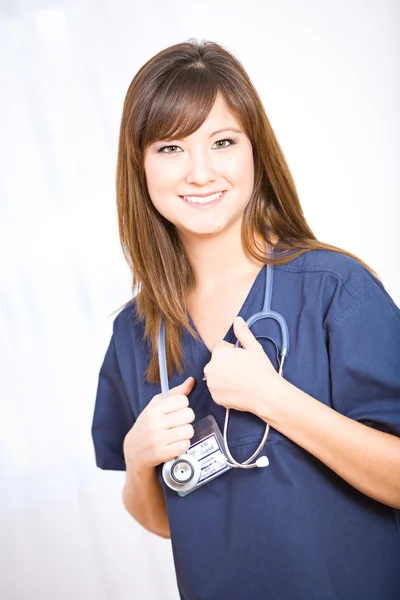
<point x="294" y="530"/>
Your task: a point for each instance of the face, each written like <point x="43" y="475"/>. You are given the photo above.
<point x="203" y="183"/>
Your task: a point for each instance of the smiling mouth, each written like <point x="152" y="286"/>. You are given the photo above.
<point x="203" y="199"/>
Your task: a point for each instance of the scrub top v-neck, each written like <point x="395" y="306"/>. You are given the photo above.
<point x="196" y="351"/>
<point x="294" y="530"/>
<point x="243" y="312"/>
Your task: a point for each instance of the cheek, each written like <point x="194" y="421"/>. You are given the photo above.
<point x="159" y="179"/>
<point x="241" y="170"/>
<point x="161" y="183"/>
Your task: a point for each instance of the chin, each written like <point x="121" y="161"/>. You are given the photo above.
<point x="205" y="230"/>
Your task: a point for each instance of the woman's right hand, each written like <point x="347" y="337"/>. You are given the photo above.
<point x="163" y="429"/>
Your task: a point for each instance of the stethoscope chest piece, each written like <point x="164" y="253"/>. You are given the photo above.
<point x="182" y="473"/>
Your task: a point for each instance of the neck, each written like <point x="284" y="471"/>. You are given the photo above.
<point x="219" y="260"/>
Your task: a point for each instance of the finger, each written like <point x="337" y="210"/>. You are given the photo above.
<point x="174" y="403"/>
<point x="183" y="388"/>
<point x="178" y="434"/>
<point x="175" y="449"/>
<point x="244" y="335"/>
<point x="221" y="344"/>
<point x="179" y="417"/>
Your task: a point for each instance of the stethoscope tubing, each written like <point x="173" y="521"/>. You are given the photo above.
<point x="265" y="313"/>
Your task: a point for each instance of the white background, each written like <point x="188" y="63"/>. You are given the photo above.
<point x="328" y="74"/>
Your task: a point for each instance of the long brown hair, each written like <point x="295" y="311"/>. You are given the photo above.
<point x="170" y="97"/>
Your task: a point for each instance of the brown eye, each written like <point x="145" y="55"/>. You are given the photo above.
<point x="169" y="149"/>
<point x="225" y="143"/>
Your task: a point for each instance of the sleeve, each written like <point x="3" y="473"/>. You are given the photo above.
<point x="113" y="416"/>
<point x="364" y="350"/>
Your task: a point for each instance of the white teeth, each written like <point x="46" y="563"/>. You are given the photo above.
<point x="199" y="200"/>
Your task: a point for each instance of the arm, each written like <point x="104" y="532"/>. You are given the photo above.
<point x="143" y="498"/>
<point x="365" y="387"/>
<point x="366" y="458"/>
<point x="161" y="432"/>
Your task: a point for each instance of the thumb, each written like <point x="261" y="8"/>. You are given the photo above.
<point x="244" y="335"/>
<point x="183" y="388"/>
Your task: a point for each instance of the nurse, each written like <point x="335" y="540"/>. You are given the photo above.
<point x="205" y="201"/>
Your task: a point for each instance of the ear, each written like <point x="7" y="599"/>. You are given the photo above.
<point x="244" y="335"/>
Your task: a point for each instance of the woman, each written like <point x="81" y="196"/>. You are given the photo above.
<point x="205" y="202"/>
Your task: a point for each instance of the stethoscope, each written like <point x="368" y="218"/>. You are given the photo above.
<point x="183" y="473"/>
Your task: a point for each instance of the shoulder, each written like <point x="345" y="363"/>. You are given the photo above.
<point x="128" y="329"/>
<point x="343" y="284"/>
<point x="347" y="271"/>
<point x="127" y="316"/>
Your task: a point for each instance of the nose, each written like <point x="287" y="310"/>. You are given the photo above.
<point x="199" y="169"/>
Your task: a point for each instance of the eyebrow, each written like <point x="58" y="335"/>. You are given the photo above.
<point x="225" y="129"/>
<point x="234" y="129"/>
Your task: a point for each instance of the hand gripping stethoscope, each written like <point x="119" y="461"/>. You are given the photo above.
<point x="183" y="472"/>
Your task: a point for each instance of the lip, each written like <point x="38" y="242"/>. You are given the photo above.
<point x="206" y="206"/>
<point x="203" y="195"/>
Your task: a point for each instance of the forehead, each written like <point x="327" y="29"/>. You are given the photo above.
<point x="179" y="117"/>
<point x="219" y="119"/>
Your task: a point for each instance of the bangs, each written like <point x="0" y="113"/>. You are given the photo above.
<point x="180" y="105"/>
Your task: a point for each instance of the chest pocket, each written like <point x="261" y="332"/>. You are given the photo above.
<point x="245" y="430"/>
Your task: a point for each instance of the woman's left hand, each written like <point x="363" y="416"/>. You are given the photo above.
<point x="242" y="378"/>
